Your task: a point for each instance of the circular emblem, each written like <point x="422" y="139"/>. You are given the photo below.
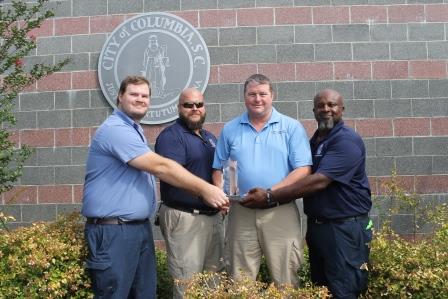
<point x="165" y="49"/>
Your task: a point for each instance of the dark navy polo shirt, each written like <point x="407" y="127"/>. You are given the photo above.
<point x="194" y="153"/>
<point x="341" y="156"/>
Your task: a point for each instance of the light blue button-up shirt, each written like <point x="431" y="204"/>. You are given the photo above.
<point x="264" y="158"/>
<point x="113" y="188"/>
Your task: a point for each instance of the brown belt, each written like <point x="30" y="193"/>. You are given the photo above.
<point x="114" y="220"/>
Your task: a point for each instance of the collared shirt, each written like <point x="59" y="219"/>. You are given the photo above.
<point x="193" y="152"/>
<point x="266" y="157"/>
<point x="341" y="156"/>
<point x="112" y="187"/>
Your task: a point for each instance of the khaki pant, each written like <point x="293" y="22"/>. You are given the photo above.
<point x="274" y="233"/>
<point x="194" y="243"/>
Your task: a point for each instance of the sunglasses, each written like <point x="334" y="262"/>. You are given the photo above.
<point x="189" y="105"/>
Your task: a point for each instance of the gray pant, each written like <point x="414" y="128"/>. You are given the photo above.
<point x="274" y="233"/>
<point x="194" y="243"/>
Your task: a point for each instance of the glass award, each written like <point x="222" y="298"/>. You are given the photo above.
<point x="230" y="173"/>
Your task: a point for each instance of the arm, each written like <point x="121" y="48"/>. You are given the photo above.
<point x="256" y="198"/>
<point x="308" y="185"/>
<point x="221" y="154"/>
<point x="217" y="178"/>
<point x="293" y="177"/>
<point x="299" y="156"/>
<point x="339" y="162"/>
<point x="173" y="173"/>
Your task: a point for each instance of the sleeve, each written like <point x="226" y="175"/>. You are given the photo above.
<point x="123" y="142"/>
<point x="299" y="147"/>
<point x="222" y="151"/>
<point x="172" y="146"/>
<point x="341" y="160"/>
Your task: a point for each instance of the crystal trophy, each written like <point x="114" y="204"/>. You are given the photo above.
<point x="230" y="173"/>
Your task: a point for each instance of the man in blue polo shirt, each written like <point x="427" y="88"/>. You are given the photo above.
<point x="119" y="197"/>
<point x="336" y="200"/>
<point x="193" y="231"/>
<point x="271" y="151"/>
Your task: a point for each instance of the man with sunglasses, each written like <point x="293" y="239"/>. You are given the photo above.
<point x="120" y="196"/>
<point x="193" y="231"/>
<point x="271" y="150"/>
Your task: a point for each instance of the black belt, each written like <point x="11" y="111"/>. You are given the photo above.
<point x="191" y="210"/>
<point x="320" y="220"/>
<point x="114" y="220"/>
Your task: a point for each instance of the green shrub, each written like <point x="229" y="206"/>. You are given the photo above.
<point x="17" y="22"/>
<point x="303" y="274"/>
<point x="398" y="200"/>
<point x="401" y="268"/>
<point x="44" y="261"/>
<point x="164" y="280"/>
<point x="409" y="269"/>
<point x="220" y="286"/>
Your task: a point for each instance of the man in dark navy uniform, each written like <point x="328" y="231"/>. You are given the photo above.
<point x="336" y="200"/>
<point x="193" y="231"/>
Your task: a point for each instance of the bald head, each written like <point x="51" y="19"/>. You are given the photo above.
<point x="191" y="108"/>
<point x="328" y="109"/>
<point x="329" y="93"/>
<point x="190" y="94"/>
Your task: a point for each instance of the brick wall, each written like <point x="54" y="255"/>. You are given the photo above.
<point x="388" y="59"/>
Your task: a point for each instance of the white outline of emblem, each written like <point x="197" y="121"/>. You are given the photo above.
<point x="185" y="45"/>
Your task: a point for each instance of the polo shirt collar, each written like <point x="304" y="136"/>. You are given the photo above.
<point x="275" y="117"/>
<point x="333" y="131"/>
<point x="125" y="117"/>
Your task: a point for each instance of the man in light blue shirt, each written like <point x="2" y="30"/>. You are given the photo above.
<point x="271" y="150"/>
<point x="115" y="143"/>
<point x="119" y="197"/>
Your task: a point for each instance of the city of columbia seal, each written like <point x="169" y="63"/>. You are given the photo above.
<point x="162" y="47"/>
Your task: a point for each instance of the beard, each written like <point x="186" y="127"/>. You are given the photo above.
<point x="325" y="124"/>
<point x="193" y="125"/>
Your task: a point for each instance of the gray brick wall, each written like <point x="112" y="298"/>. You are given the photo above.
<point x="390" y="69"/>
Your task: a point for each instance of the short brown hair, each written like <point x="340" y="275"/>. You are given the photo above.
<point x="135" y="80"/>
<point x="260" y="79"/>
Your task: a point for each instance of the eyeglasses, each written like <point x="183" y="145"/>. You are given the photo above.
<point x="189" y="105"/>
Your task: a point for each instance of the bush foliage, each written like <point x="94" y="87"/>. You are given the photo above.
<point x="415" y="268"/>
<point x="220" y="286"/>
<point x="409" y="269"/>
<point x="46" y="260"/>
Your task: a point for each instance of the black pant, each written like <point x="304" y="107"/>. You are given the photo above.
<point x="339" y="253"/>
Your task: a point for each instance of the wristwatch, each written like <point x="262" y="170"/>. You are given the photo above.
<point x="270" y="198"/>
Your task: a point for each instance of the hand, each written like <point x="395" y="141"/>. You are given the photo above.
<point x="224" y="210"/>
<point x="255" y="199"/>
<point x="214" y="197"/>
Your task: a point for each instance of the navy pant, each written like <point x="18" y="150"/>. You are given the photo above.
<point x="121" y="260"/>
<point x="339" y="253"/>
